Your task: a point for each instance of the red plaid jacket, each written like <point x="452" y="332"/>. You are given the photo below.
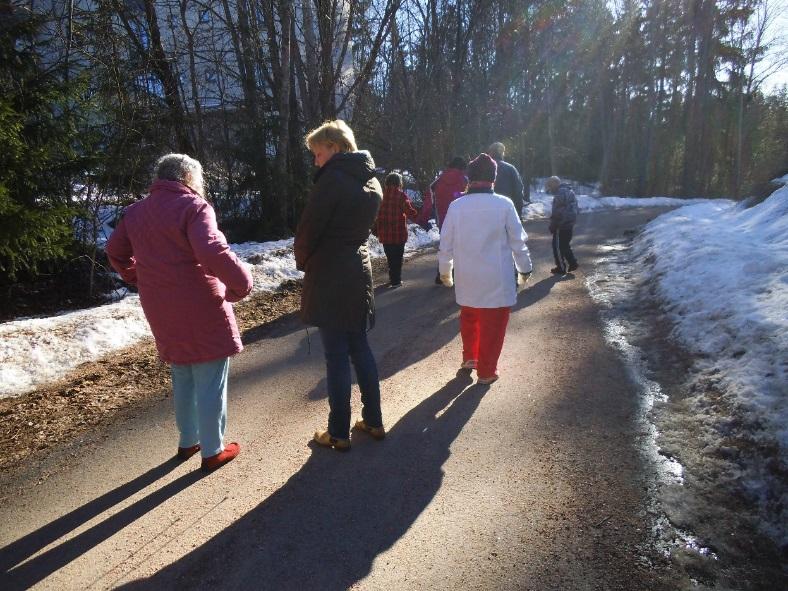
<point x="391" y="227"/>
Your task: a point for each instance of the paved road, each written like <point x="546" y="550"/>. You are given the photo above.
<point x="533" y="483"/>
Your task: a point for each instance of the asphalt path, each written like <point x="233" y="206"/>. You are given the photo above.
<point x="535" y="482"/>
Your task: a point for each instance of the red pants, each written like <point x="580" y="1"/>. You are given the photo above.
<point x="483" y="330"/>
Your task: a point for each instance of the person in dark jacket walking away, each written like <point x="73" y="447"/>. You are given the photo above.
<point x="562" y="223"/>
<point x="169" y="246"/>
<point x="391" y="227"/>
<point x="508" y="182"/>
<point x="337" y="295"/>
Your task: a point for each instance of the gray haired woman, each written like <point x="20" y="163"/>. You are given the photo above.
<point x="169" y="246"/>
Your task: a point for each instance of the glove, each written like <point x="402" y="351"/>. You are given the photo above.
<point x="522" y="278"/>
<point x="553" y="227"/>
<point x="447" y="280"/>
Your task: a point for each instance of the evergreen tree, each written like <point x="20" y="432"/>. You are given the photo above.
<point x="38" y="156"/>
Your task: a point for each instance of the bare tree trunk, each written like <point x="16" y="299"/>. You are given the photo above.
<point x="282" y="147"/>
<point x="309" y="80"/>
<point x="163" y="69"/>
<point x="193" y="79"/>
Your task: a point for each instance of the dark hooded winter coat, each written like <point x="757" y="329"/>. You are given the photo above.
<point x="509" y="183"/>
<point x="331" y="244"/>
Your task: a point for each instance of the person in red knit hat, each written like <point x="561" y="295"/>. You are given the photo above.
<point x="391" y="226"/>
<point x="483" y="241"/>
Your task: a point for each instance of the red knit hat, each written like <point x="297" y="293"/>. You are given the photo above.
<point x="482" y="168"/>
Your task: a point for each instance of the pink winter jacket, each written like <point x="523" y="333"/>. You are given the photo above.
<point x="168" y="244"/>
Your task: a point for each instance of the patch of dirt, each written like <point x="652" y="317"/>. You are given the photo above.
<point x="97" y="393"/>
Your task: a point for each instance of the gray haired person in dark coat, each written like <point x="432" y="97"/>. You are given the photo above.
<point x="508" y="181"/>
<point x="562" y="223"/>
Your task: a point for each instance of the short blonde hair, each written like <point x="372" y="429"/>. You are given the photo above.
<point x="336" y="133"/>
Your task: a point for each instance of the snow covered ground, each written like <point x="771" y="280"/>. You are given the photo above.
<point x="36" y="351"/>
<point x="541" y="203"/>
<point x="722" y="271"/>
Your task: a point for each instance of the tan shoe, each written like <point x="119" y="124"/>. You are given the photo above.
<point x="325" y="438"/>
<point x="376" y="432"/>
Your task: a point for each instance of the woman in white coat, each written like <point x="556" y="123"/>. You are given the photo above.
<point x="483" y="241"/>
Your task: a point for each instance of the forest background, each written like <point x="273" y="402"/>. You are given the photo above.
<point x="660" y="97"/>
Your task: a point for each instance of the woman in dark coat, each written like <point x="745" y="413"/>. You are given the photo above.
<point x="337" y="296"/>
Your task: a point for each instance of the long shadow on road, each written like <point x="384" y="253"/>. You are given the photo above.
<point x="324" y="527"/>
<point x="36" y="569"/>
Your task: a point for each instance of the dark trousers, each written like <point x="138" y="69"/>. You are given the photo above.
<point x="562" y="251"/>
<point x="341" y="347"/>
<point x="394" y="254"/>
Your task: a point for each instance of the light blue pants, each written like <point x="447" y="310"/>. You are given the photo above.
<point x="200" y="394"/>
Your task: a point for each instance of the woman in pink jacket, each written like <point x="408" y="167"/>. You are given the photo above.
<point x="169" y="246"/>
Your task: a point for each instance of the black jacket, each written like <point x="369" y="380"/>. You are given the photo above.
<point x="509" y="184"/>
<point x="331" y="244"/>
<point x="564" y="206"/>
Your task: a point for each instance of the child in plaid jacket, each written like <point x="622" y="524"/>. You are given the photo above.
<point x="391" y="226"/>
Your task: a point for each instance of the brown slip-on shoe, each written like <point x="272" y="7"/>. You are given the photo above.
<point x="375" y="432"/>
<point x="488" y="381"/>
<point x="326" y="439"/>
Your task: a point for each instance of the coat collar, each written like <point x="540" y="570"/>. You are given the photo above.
<point x="162" y="185"/>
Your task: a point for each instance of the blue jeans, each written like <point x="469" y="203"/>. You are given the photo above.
<point x="341" y="347"/>
<point x="200" y="394"/>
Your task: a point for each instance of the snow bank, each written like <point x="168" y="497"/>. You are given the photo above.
<point x="271" y="263"/>
<point x="36" y="351"/>
<point x="723" y="272"/>
<point x="541" y="205"/>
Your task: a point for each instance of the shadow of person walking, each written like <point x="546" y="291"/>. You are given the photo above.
<point x="326" y="525"/>
<point x="41" y="566"/>
<point x="25" y="547"/>
<point x="535" y="292"/>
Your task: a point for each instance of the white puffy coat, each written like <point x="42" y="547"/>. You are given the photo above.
<point x="483" y="239"/>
